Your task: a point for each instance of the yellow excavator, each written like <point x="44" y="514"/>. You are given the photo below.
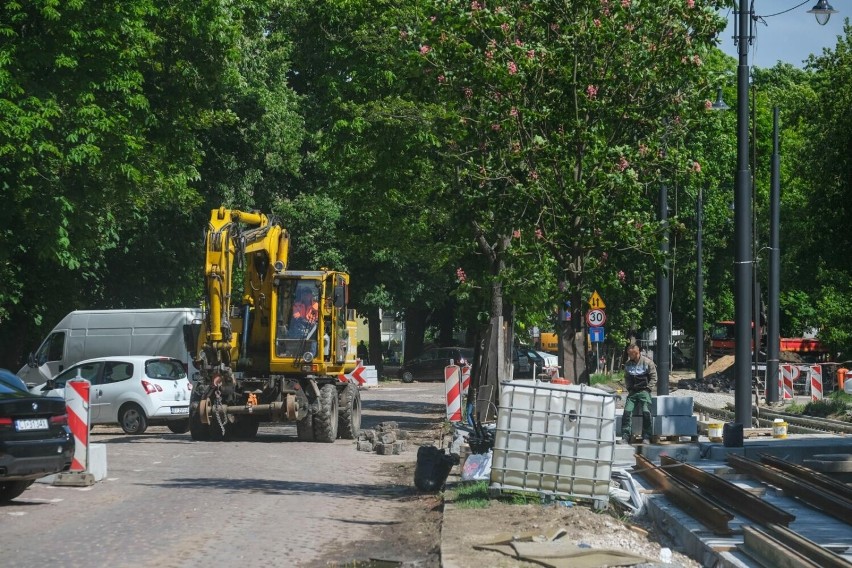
<point x="279" y="349"/>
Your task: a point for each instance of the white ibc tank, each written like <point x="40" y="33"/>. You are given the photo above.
<point x="554" y="439"/>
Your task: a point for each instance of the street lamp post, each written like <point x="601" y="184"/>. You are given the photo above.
<point x="743" y="255"/>
<point x="698" y="355"/>
<point x="742" y="232"/>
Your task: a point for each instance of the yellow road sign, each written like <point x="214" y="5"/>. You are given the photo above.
<point x="596" y="302"/>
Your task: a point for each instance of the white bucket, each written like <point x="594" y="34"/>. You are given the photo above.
<point x="714" y="431"/>
<point x="779" y="428"/>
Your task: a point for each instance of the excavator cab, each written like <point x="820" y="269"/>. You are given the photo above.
<point x="313" y="325"/>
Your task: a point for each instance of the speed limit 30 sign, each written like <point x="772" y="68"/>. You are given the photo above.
<point x="595" y="318"/>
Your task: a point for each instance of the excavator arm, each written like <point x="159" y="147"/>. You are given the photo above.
<point x="237" y="240"/>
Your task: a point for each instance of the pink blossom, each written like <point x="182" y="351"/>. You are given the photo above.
<point x="495" y="127"/>
<point x="518" y="43"/>
<point x="604" y="256"/>
<point x="696" y="167"/>
<point x="403" y="34"/>
<point x="629" y="27"/>
<point x="425" y="49"/>
<point x="592" y="92"/>
<point x="516" y="147"/>
<point x="513" y="111"/>
<point x="621" y="275"/>
<point x="516" y="234"/>
<point x="460" y="275"/>
<point x="643" y="149"/>
<point x="708" y="105"/>
<point x="554" y="27"/>
<point x="512" y="68"/>
<point x="697" y="60"/>
<point x="623" y="164"/>
<point x="690" y="3"/>
<point x="505" y="27"/>
<point x="489" y="55"/>
<point x="475" y="6"/>
<point x="538" y="233"/>
<point x="433" y="18"/>
<point x="625" y="3"/>
<point x="468" y="92"/>
<point x="597" y="22"/>
<point x="534" y="174"/>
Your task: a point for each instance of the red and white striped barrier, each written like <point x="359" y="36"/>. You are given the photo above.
<point x="356" y="377"/>
<point x="452" y="384"/>
<point x="77" y="405"/>
<point x="787" y="375"/>
<point x="816" y="382"/>
<point x="465" y="379"/>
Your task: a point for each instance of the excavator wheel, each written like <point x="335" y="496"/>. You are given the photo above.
<point x="245" y="428"/>
<point x="305" y="428"/>
<point x="199" y="431"/>
<point x="349" y="412"/>
<point x="325" y="420"/>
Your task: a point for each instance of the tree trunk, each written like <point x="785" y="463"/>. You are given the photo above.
<point x="415" y="331"/>
<point x="374" y="321"/>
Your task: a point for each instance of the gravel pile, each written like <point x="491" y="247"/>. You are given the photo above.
<point x="709" y="399"/>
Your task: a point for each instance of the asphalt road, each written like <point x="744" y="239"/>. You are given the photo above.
<point x="169" y="501"/>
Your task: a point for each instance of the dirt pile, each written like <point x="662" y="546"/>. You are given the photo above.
<point x="718" y="377"/>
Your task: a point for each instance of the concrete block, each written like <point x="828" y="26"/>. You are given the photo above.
<point x="369" y="435"/>
<point x="384" y="449"/>
<point x="388" y="426"/>
<point x="399" y="447"/>
<point x="624" y="455"/>
<point x="669" y="405"/>
<point x="365" y="446"/>
<point x="674" y="426"/>
<point x="98" y="461"/>
<point x="636" y="425"/>
<point x="388" y="438"/>
<point x="681" y="452"/>
<point x="402" y="435"/>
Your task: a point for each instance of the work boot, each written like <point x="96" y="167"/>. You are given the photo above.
<point x="646" y="440"/>
<point x="625" y="439"/>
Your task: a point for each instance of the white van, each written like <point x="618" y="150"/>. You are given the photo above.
<point x="87" y="334"/>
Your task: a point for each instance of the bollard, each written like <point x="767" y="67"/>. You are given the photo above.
<point x="77" y="405"/>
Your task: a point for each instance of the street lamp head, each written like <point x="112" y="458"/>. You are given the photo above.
<point x="822" y="11"/>
<point x="719" y="104"/>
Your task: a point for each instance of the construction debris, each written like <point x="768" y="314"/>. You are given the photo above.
<point x="385" y="439"/>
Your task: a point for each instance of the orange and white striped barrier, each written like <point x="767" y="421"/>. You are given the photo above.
<point x="787" y="374"/>
<point x="77" y="404"/>
<point x="356" y="377"/>
<point x="816" y="382"/>
<point x="465" y="379"/>
<point x="452" y="385"/>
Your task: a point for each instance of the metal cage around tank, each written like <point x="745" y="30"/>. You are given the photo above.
<point x="554" y="440"/>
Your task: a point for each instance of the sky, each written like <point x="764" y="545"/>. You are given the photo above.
<point x="789" y="37"/>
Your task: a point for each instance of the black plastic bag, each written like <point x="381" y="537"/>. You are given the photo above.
<point x="433" y="467"/>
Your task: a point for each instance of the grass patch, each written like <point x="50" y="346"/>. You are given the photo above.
<point x="795" y="408"/>
<point x="836" y="405"/>
<point x="470" y="495"/>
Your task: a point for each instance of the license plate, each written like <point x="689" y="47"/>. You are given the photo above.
<point x="31" y="424"/>
<point x="180" y="410"/>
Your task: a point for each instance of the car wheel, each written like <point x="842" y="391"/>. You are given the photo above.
<point x="349" y="412"/>
<point x="11" y="489"/>
<point x="132" y="419"/>
<point x="325" y="421"/>
<point x="407" y="377"/>
<point x="179" y="426"/>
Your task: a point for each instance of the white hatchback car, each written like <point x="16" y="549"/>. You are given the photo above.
<point x="131" y="391"/>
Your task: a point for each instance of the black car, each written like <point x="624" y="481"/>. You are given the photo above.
<point x="34" y="437"/>
<point x="429" y="365"/>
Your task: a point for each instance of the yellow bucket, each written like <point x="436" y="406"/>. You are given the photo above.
<point x="779" y="428"/>
<point x="714" y="432"/>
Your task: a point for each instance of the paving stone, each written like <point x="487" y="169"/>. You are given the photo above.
<point x="364" y="446"/>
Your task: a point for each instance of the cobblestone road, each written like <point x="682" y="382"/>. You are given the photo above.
<point x="172" y="502"/>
